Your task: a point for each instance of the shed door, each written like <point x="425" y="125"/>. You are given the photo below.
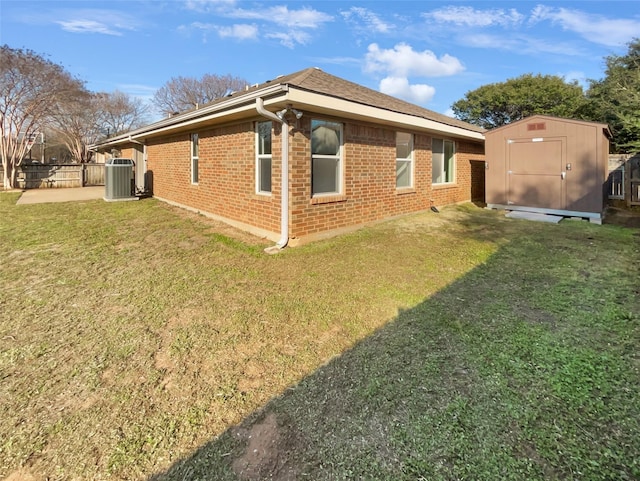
<point x="535" y="173"/>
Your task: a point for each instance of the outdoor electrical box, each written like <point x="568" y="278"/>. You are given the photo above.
<point x="118" y="179"/>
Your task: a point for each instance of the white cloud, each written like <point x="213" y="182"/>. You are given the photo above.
<point x="289" y="26"/>
<point x="87" y="26"/>
<point x="291" y="38"/>
<point x="104" y="22"/>
<point x="403" y="61"/>
<point x="540" y="13"/>
<point x="239" y="31"/>
<point x="401" y="88"/>
<point x="208" y="5"/>
<point x="198" y="26"/>
<point x="371" y="21"/>
<point x="519" y="43"/>
<point x="281" y="15"/>
<point x="351" y="61"/>
<point x="469" y="16"/>
<point x="485" y="40"/>
<point x="595" y="28"/>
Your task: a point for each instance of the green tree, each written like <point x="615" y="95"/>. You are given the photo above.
<point x="501" y="103"/>
<point x="616" y="98"/>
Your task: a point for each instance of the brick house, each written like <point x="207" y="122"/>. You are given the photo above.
<point x="352" y="155"/>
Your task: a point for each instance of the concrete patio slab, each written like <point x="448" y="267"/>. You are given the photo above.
<point x="43" y="196"/>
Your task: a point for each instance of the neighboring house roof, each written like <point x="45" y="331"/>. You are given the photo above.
<point x="309" y="89"/>
<point x="605" y="128"/>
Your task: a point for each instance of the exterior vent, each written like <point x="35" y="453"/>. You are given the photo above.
<point x="537" y="126"/>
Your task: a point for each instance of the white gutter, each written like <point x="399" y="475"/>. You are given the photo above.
<point x="284" y="191"/>
<point x="194" y="117"/>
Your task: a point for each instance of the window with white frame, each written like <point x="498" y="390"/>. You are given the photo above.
<point x="194" y="158"/>
<point x="404" y="160"/>
<point x="443" y="161"/>
<point x="326" y="157"/>
<point x="263" y="157"/>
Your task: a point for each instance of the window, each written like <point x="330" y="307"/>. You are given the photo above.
<point x="443" y="161"/>
<point x="404" y="160"/>
<point x="263" y="157"/>
<point x="326" y="153"/>
<point x="194" y="158"/>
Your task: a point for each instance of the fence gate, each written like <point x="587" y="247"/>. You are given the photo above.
<point x="93" y="174"/>
<point x="616" y="183"/>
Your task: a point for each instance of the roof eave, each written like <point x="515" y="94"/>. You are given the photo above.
<point x="244" y="101"/>
<point x="302" y="99"/>
<point x="322" y="103"/>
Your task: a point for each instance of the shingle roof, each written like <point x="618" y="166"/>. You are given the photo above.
<point x="311" y="80"/>
<point x="316" y="80"/>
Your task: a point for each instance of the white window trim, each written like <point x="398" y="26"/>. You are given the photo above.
<point x="339" y="157"/>
<point x="195" y="160"/>
<point x="408" y="160"/>
<point x="455" y="170"/>
<point x="260" y="157"/>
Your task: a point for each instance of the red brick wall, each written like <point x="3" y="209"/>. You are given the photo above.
<point x="226" y="174"/>
<point x="370" y="193"/>
<point x="226" y="185"/>
<point x="460" y="191"/>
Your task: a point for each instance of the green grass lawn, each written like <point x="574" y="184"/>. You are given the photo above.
<point x="140" y="341"/>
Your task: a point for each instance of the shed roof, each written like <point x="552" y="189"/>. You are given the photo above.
<point x="311" y="80"/>
<point x="605" y="128"/>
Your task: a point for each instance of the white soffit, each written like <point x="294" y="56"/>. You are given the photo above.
<point x="346" y="108"/>
<point x="226" y="108"/>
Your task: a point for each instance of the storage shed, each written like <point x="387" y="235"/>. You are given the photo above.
<point x="548" y="165"/>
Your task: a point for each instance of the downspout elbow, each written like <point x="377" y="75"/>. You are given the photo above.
<point x="284" y="191"/>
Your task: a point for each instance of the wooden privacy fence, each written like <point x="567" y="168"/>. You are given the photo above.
<point x="93" y="174"/>
<point x="624" y="178"/>
<point x="49" y="176"/>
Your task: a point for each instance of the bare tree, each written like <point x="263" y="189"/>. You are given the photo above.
<point x="184" y="93"/>
<point x="118" y="112"/>
<point x="30" y="89"/>
<point x="88" y="117"/>
<point x="76" y="126"/>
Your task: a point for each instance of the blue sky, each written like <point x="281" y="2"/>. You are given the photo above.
<point x="427" y="52"/>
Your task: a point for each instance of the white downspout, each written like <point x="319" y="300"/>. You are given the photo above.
<point x="284" y="191"/>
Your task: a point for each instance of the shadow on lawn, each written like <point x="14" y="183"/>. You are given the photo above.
<point x="470" y="384"/>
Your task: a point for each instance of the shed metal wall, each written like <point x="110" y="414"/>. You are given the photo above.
<point x="548" y="164"/>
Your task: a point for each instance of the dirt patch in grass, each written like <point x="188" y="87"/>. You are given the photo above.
<point x="267" y="453"/>
<point x="21" y="475"/>
<point x="623" y="217"/>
